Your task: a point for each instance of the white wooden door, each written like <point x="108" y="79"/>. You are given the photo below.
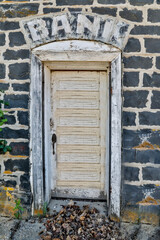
<point x="79" y="111"/>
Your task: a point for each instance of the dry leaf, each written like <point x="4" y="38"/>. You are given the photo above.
<point x="68" y="238"/>
<point x="82" y="218"/>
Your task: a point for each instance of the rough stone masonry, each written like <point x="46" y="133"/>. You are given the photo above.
<point x="141" y="100"/>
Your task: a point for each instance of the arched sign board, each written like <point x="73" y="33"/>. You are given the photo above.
<point x="45" y="36"/>
<point x="76" y="26"/>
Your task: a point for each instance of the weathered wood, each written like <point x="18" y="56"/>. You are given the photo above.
<point x="79" y="46"/>
<point x="77" y="50"/>
<point x="77" y="192"/>
<point x="62" y="65"/>
<point x="104" y="121"/>
<point x="48" y="163"/>
<point x="116" y="100"/>
<point x="36" y="144"/>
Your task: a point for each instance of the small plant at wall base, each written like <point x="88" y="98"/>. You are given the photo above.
<point x="3" y="143"/>
<point x="45" y="209"/>
<point x="18" y="209"/>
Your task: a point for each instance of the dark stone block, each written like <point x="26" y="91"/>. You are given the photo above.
<point x="4" y="86"/>
<point x="135" y="99"/>
<point x="134" y="139"/>
<point x="105" y="10"/>
<point x="129" y="119"/>
<point x="21" y="87"/>
<point x="8" y="133"/>
<point x="25" y="182"/>
<point x="9" y="25"/>
<point x="154" y="15"/>
<point x="149" y="118"/>
<point x="133" y="45"/>
<point x="146" y="30"/>
<point x="19" y="71"/>
<point x="131" y="15"/>
<point x="131" y="138"/>
<point x="47" y="3"/>
<point x="148" y="156"/>
<point x="15" y="55"/>
<point x="158" y="62"/>
<point x="111" y="1"/>
<point x="151" y="81"/>
<point x="156" y="192"/>
<point x="152" y="189"/>
<point x="2" y="71"/>
<point x="149" y="214"/>
<point x="152" y="45"/>
<point x="131" y="173"/>
<point x="151" y="173"/>
<point x="131" y="79"/>
<point x="140" y="2"/>
<point x="10" y="183"/>
<point x="2" y="39"/>
<point x="16" y="39"/>
<point x="17" y="165"/>
<point x="20" y="148"/>
<point x="23" y="118"/>
<point x="74" y="2"/>
<point x="155" y="100"/>
<point x="154" y="138"/>
<point x="50" y="10"/>
<point x="26" y="198"/>
<point x="17" y="101"/>
<point x="138" y="62"/>
<point x="129" y="155"/>
<point x="18" y="10"/>
<point x="132" y="194"/>
<point x="10" y="119"/>
<point x="75" y="9"/>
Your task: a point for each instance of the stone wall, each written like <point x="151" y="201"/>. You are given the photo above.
<point x="141" y="97"/>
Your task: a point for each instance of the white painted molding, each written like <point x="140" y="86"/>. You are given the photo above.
<point x="68" y="51"/>
<point x="116" y="100"/>
<point x="36" y="137"/>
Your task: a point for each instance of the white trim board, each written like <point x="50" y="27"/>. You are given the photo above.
<point x="72" y="51"/>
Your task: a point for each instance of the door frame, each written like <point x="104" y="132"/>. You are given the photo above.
<point x="41" y="66"/>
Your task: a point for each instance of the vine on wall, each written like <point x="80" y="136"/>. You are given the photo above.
<point x="3" y="143"/>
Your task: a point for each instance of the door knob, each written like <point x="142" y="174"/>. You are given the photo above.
<point x="54" y="140"/>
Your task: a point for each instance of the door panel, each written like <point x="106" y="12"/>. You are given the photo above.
<point x="77" y="100"/>
<point x="85" y="118"/>
<point x="72" y="81"/>
<point x="78" y="154"/>
<point x="79" y="109"/>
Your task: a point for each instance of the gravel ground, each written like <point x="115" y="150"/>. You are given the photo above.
<point x="73" y="221"/>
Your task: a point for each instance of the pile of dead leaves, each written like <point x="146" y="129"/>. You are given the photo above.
<point x="73" y="223"/>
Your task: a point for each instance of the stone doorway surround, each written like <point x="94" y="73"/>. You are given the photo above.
<point x="100" y="45"/>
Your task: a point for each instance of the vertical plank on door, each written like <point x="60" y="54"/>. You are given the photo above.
<point x="103" y="120"/>
<point x="49" y="163"/>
